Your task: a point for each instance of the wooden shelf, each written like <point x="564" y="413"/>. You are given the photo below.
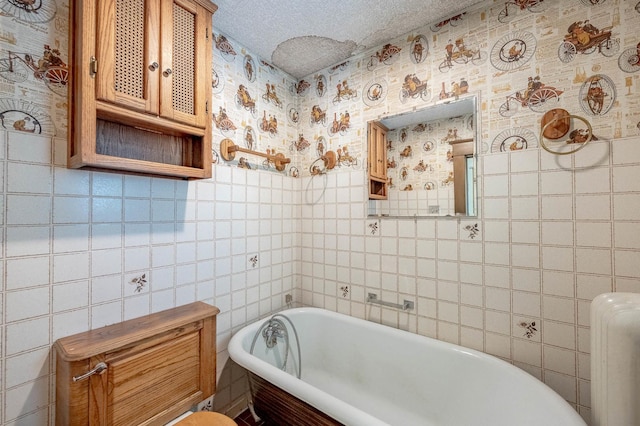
<point x="377" y="189"/>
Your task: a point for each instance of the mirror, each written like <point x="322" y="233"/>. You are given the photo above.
<point x="423" y="162"/>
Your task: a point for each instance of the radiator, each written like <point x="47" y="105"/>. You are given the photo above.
<point x="615" y="359"/>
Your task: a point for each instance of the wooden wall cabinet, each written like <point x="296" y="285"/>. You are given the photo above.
<point x="141" y="86"/>
<point x="377" y="135"/>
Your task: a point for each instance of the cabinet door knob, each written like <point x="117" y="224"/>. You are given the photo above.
<point x="154" y="66"/>
<point x="167" y="72"/>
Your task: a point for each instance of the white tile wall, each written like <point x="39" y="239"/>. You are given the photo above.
<point x="74" y="243"/>
<point x="546" y="248"/>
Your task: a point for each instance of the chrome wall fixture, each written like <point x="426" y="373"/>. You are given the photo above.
<point x="100" y="368"/>
<point x="406" y="305"/>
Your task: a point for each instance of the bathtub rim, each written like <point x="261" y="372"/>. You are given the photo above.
<point x="341" y="410"/>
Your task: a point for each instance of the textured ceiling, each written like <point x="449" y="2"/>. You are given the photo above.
<point x="304" y="36"/>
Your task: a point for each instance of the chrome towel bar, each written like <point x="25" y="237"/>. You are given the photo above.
<point x="405" y="306"/>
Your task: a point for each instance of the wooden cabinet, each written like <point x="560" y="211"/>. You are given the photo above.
<point x="151" y="369"/>
<point x="141" y="86"/>
<point x="377" y="135"/>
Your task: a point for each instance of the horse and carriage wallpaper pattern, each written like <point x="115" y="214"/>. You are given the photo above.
<point x="524" y="58"/>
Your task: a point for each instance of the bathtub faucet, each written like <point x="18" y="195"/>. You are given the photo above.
<point x="274" y="329"/>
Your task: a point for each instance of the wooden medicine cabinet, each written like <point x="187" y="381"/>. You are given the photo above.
<point x="140" y="89"/>
<point x="377" y="135"/>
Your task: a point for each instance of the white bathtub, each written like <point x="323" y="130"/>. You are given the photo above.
<point x="362" y="373"/>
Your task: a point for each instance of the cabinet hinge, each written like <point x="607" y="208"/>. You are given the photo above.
<point x="206" y="107"/>
<point x="207" y="33"/>
<point x="93" y="66"/>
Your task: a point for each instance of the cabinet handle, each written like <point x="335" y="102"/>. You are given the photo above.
<point x="167" y="72"/>
<point x="98" y="369"/>
<point x="154" y="66"/>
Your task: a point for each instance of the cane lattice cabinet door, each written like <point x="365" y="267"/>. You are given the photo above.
<point x="141" y="86"/>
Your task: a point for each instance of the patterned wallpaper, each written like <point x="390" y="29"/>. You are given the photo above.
<point x="524" y="58"/>
<point x="254" y="106"/>
<point x="33" y="69"/>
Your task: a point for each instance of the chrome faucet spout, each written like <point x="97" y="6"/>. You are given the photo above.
<point x="273" y="330"/>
